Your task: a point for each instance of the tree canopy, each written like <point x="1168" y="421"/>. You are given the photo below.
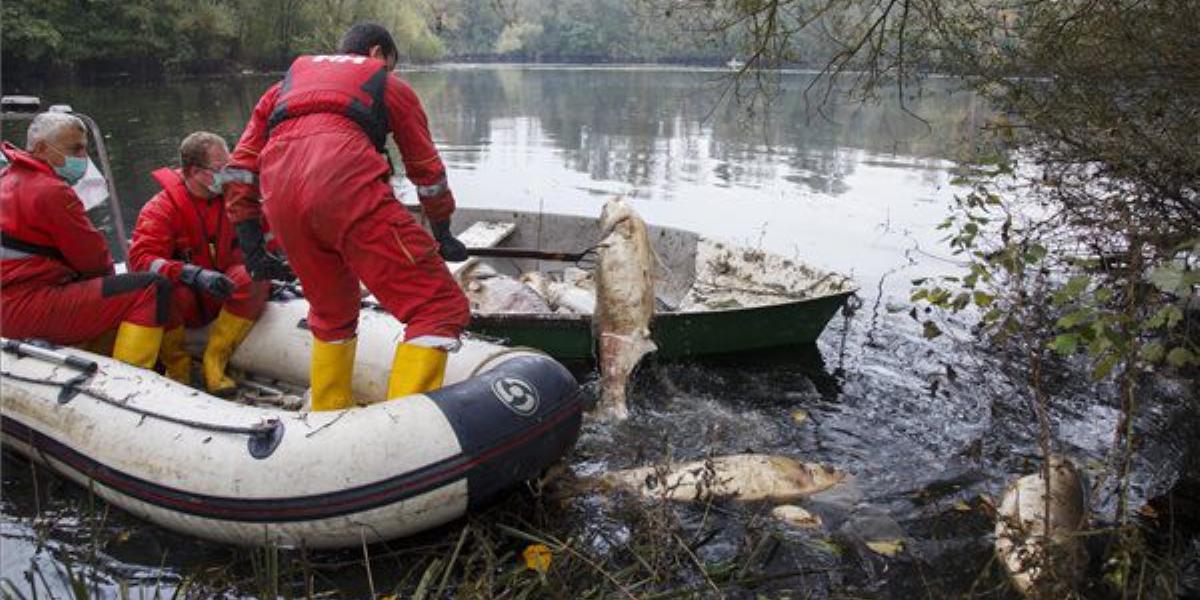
<point x="156" y="36"/>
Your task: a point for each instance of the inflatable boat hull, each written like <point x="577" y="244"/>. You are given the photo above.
<point x="249" y="475"/>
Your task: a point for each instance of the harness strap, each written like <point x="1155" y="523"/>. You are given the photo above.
<point x="17" y="248"/>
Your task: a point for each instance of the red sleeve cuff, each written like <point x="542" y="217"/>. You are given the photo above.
<point x="438" y="208"/>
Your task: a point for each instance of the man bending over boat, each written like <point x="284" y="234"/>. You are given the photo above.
<point x="316" y="141"/>
<point x="184" y="234"/>
<point x="56" y="274"/>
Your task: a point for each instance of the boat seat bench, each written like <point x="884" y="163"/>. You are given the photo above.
<point x="481" y="234"/>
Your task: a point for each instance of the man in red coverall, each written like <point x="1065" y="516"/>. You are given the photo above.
<point x="184" y="234"/>
<point x="316" y="141"/>
<point x="56" y="274"/>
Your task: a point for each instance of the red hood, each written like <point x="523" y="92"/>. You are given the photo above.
<point x="19" y="157"/>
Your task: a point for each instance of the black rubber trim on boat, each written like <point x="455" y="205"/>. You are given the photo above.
<point x="502" y="403"/>
<point x="263" y="443"/>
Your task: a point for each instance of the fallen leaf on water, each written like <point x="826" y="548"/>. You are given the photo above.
<point x="537" y="557"/>
<point x="799" y="416"/>
<point x="962" y="506"/>
<point x="887" y="548"/>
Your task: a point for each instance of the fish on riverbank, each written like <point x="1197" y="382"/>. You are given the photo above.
<point x="1036" y="530"/>
<point x="744" y="477"/>
<point x="624" y="302"/>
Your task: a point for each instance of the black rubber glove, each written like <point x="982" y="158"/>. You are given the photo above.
<point x="262" y="264"/>
<point x="449" y="247"/>
<point x="207" y="281"/>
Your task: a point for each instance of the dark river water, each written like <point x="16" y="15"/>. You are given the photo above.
<point x="929" y="430"/>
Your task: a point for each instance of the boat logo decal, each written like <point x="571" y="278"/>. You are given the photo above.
<point x="517" y="394"/>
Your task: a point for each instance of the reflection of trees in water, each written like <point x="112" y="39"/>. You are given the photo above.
<point x="643" y="126"/>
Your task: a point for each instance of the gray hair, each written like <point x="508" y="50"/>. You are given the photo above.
<point x="48" y="124"/>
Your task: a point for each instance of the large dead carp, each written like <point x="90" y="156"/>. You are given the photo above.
<point x="745" y="477"/>
<point x="1037" y="528"/>
<point x="624" y="302"/>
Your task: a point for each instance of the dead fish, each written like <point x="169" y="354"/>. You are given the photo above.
<point x="796" y="517"/>
<point x="579" y="278"/>
<point x="624" y="302"/>
<point x="539" y="281"/>
<point x="745" y="477"/>
<point x="574" y="299"/>
<point x="491" y="292"/>
<point x="1038" y="558"/>
<point x="562" y="297"/>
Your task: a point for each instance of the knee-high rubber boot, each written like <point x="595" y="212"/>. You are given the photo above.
<point x="416" y="370"/>
<point x="173" y="355"/>
<point x="227" y="331"/>
<point x="332" y="370"/>
<point x="138" y="345"/>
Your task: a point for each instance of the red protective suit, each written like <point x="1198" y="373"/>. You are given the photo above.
<point x="56" y="274"/>
<point x="313" y="140"/>
<point x="176" y="227"/>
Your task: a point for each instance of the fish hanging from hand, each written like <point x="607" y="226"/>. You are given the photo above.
<point x="624" y="303"/>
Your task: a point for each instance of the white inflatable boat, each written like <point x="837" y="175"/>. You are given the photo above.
<point x="254" y="473"/>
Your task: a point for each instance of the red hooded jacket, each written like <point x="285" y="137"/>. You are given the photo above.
<point x="176" y="227"/>
<point x="42" y="214"/>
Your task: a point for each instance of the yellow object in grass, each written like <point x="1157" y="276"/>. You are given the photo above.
<point x="537" y="557"/>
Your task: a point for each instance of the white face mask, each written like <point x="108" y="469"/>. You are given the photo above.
<point x="218" y="181"/>
<point x="92" y="188"/>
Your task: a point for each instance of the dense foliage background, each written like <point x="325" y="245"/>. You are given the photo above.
<point x="152" y="37"/>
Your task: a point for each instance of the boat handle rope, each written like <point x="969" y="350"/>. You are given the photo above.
<point x="264" y="438"/>
<point x="70" y="388"/>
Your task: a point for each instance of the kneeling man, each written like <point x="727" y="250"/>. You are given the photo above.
<point x="184" y="235"/>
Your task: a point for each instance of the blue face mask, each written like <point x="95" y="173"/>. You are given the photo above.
<point x="72" y="170"/>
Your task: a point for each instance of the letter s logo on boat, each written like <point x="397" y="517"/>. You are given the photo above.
<point x="517" y="395"/>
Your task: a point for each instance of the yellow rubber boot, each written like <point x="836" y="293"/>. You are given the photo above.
<point x="332" y="369"/>
<point x="138" y="345"/>
<point x="227" y="331"/>
<point x="173" y="355"/>
<point x="416" y="370"/>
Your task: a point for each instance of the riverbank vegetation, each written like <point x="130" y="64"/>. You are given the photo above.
<point x="151" y="38"/>
<point x="1079" y="242"/>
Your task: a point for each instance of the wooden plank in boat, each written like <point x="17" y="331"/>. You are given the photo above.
<point x="481" y="234"/>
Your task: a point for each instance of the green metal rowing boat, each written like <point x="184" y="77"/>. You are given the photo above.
<point x="713" y="298"/>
